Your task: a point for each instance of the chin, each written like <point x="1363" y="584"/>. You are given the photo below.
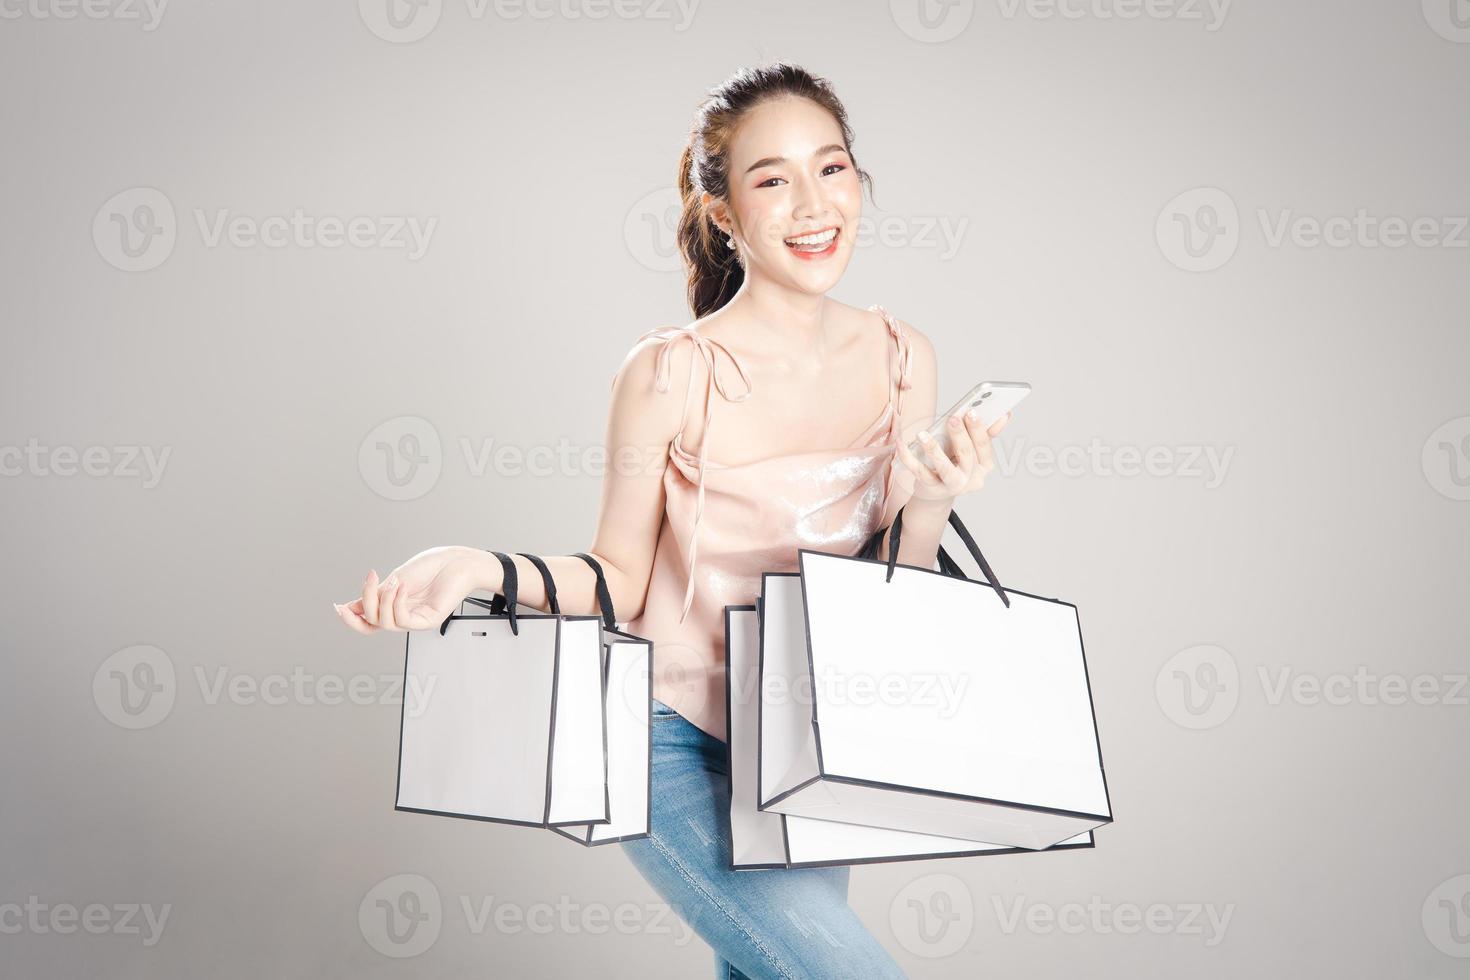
<point x="813" y="278"/>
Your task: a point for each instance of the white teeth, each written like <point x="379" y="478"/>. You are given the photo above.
<point x="820" y="238"/>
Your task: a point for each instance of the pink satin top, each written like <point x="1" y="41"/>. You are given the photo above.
<point x="724" y="525"/>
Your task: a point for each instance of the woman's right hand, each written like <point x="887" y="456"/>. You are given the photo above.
<point x="422" y="592"/>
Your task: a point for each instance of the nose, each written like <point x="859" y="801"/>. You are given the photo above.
<point x="809" y="199"/>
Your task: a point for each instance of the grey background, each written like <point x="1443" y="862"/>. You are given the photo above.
<point x="1053" y="147"/>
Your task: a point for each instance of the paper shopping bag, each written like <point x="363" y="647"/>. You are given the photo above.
<point x="504" y="717"/>
<point x="939" y="704"/>
<point x="627" y="670"/>
<point x="767" y="839"/>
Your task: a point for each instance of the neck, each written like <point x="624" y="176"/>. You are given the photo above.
<point x="793" y="321"/>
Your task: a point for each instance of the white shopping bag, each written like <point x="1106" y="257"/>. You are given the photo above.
<point x="939" y="704"/>
<point x="503" y="717"/>
<point x="766" y="839"/>
<point x="627" y="665"/>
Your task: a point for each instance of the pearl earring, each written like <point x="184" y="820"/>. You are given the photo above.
<point x="729" y="241"/>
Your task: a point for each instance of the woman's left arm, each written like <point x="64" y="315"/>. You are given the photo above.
<point x="926" y="488"/>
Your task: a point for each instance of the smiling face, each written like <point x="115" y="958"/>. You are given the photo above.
<point x="794" y="195"/>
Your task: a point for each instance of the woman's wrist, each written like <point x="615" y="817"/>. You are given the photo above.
<point x="924" y="521"/>
<point x="921" y="511"/>
<point x="486" y="574"/>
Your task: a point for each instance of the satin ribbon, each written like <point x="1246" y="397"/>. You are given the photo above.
<point x="706" y="348"/>
<point x="905" y="357"/>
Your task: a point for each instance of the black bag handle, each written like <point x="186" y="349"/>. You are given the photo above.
<point x="604" y="597"/>
<point x="974" y="549"/>
<point x="498" y="601"/>
<point x="546" y="580"/>
<point x="949" y="566"/>
<point x="948" y="563"/>
<point x="504" y="600"/>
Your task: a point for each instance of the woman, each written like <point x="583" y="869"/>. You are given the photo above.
<point x="771" y="202"/>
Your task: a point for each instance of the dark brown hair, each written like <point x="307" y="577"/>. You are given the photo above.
<point x="715" y="273"/>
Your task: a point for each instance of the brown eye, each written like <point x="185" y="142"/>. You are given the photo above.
<point x="833" y="167"/>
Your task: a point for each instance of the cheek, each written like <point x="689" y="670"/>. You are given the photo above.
<point x="762" y="223"/>
<point x="848" y="198"/>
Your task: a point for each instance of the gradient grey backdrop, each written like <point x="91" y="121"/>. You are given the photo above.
<point x="1056" y="190"/>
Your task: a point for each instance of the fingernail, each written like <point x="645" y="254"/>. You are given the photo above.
<point x="924" y="435"/>
<point x="337" y="607"/>
<point x="954" y="421"/>
<point x="974" y="415"/>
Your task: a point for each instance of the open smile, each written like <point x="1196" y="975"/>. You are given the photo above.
<point x="814" y="245"/>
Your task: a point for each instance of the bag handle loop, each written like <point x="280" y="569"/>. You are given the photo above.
<point x="604" y="596"/>
<point x="504" y="601"/>
<point x="546" y="580"/>
<point x="498" y="601"/>
<point x="947" y="564"/>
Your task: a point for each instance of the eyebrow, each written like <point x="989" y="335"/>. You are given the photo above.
<point x="772" y="161"/>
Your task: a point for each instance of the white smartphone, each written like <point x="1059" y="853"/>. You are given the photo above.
<point x="993" y="398"/>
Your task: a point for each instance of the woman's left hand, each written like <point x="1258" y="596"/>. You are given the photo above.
<point x="944" y="477"/>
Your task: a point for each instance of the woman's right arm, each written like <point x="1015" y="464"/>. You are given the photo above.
<point x="423" y="591"/>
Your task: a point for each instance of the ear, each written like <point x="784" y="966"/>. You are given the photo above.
<point x="715" y="208"/>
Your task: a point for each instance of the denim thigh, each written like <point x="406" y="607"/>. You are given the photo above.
<point x="783" y="922"/>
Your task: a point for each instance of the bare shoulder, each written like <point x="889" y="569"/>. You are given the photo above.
<point x="923" y="348"/>
<point x="654" y="374"/>
<point x="923" y="370"/>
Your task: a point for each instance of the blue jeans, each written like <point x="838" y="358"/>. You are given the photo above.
<point x="782" y="922"/>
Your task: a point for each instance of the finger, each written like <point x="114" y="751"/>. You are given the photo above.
<point x="401" y="603"/>
<point x="922" y="473"/>
<point x="962" y="437"/>
<point x="984" y="450"/>
<point x="943" y="468"/>
<point x="904" y="477"/>
<point x="386" y="594"/>
<point x="414" y="609"/>
<point x="370" y="597"/>
<point x="995" y="429"/>
<point x="353" y="620"/>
